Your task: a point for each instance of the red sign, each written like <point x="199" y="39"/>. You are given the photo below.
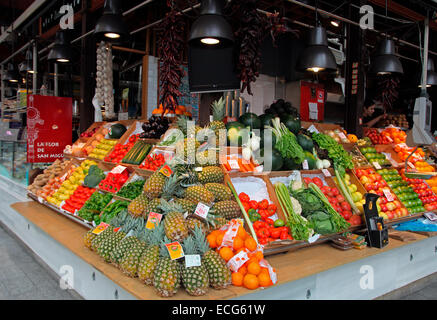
<point x="49" y="127"/>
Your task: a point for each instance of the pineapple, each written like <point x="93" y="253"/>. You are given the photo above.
<point x="138" y="205"/>
<point x="153" y="206"/>
<point x="186" y="149"/>
<point x="194" y="279"/>
<point x="188" y="129"/>
<point x="88" y="238"/>
<point x="124" y="221"/>
<point x="218" y="222"/>
<point x="220" y="191"/>
<point x="174" y="222"/>
<point x="101" y="237"/>
<point x="187" y="205"/>
<point x="124" y="245"/>
<point x="154" y="185"/>
<point x="199" y="194"/>
<point x="131" y="259"/>
<point x="149" y="258"/>
<point x="204" y="158"/>
<point x="211" y="174"/>
<point x="219" y="274"/>
<point x="228" y="209"/>
<point x="218" y="126"/>
<point x="167" y="274"/>
<point x="192" y="222"/>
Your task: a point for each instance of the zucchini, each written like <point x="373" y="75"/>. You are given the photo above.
<point x="128" y="157"/>
<point x="138" y="149"/>
<point x="142" y="155"/>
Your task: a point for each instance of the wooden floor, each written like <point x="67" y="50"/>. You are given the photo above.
<point x="289" y="266"/>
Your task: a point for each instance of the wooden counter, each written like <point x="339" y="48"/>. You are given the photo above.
<point x="289" y="266"/>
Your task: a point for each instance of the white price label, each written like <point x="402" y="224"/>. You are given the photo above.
<point x="118" y="169"/>
<point x="388" y="194"/>
<point x="202" y="210"/>
<point x="431" y="216"/>
<point x="314" y="238"/>
<point x="376" y="165"/>
<point x="64" y="176"/>
<point x="192" y="260"/>
<point x="198" y="169"/>
<point x="234" y="164"/>
<point x="305" y="165"/>
<point x="40" y="200"/>
<point x="259" y="169"/>
<point x="389" y="139"/>
<point x="342" y="136"/>
<point x="411" y="165"/>
<point x="326" y="172"/>
<point x="312" y="129"/>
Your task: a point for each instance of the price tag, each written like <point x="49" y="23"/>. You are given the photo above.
<point x="411" y="165"/>
<point x="198" y="169"/>
<point x="342" y="136"/>
<point x="153" y="220"/>
<point x="314" y="238"/>
<point x="186" y="215"/>
<point x="326" y="172"/>
<point x="192" y="260"/>
<point x="63" y="177"/>
<point x="100" y="228"/>
<point x="388" y="194"/>
<point x="118" y="169"/>
<point x="166" y="171"/>
<point x="40" y="200"/>
<point x="430" y="216"/>
<point x="259" y="169"/>
<point x="175" y="250"/>
<point x="117" y="229"/>
<point x="389" y="139"/>
<point x="305" y="165"/>
<point x="238" y="260"/>
<point x="202" y="210"/>
<point x="312" y="129"/>
<point x="376" y="165"/>
<point x="234" y="164"/>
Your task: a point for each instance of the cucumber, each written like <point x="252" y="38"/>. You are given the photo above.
<point x="138" y="147"/>
<point x="127" y="158"/>
<point x="142" y="155"/>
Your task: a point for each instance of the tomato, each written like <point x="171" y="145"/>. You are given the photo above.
<point x="263" y="204"/>
<point x="347" y="215"/>
<point x="355" y="220"/>
<point x="335" y="192"/>
<point x="244" y="197"/>
<point x="272" y="209"/>
<point x="276" y="233"/>
<point x="317" y="181"/>
<point x="307" y="180"/>
<point x="246" y="206"/>
<point x="253" y="204"/>
<point x="345" y="206"/>
<point x="284" y="235"/>
<point x="340" y="198"/>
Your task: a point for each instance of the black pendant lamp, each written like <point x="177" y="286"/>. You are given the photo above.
<point x="11" y="74"/>
<point x="27" y="65"/>
<point x="61" y="51"/>
<point x="317" y="56"/>
<point x="385" y="60"/>
<point x="431" y="78"/>
<point x="111" y="26"/>
<point x="211" y="28"/>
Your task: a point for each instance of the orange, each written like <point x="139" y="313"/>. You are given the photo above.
<point x="252" y="259"/>
<point x="226" y="253"/>
<point x="254" y="268"/>
<point x="251" y="282"/>
<point x="238" y="243"/>
<point x="264" y="270"/>
<point x="264" y="280"/>
<point x="250" y="244"/>
<point x="212" y="240"/>
<point x="243" y="270"/>
<point x="241" y="233"/>
<point x="237" y="279"/>
<point x="219" y="239"/>
<point x="259" y="255"/>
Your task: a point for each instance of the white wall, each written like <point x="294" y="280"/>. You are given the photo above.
<point x="263" y="94"/>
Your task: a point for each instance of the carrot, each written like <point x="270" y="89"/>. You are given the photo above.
<point x="242" y="166"/>
<point x="251" y="167"/>
<point x="227" y="166"/>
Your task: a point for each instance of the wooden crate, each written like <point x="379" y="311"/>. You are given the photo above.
<point x="388" y="148"/>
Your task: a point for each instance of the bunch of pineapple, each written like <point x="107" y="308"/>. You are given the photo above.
<point x="194" y="279"/>
<point x="137" y="207"/>
<point x="130" y="261"/>
<point x="150" y="257"/>
<point x="218" y="272"/>
<point x="127" y="243"/>
<point x="175" y="226"/>
<point x="167" y="274"/>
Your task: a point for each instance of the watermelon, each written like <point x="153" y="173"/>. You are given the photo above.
<point x="273" y="163"/>
<point x="289" y="164"/>
<point x="292" y="123"/>
<point x="266" y="119"/>
<point x="250" y="120"/>
<point x="305" y="142"/>
<point x="117" y="131"/>
<point x="311" y="160"/>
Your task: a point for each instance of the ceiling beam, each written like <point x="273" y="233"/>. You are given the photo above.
<point x="403" y="11"/>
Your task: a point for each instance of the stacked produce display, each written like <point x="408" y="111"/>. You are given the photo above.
<point x="188" y="222"/>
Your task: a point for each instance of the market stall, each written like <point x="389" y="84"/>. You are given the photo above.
<point x="234" y="211"/>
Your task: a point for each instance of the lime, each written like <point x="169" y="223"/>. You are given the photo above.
<point x="279" y="223"/>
